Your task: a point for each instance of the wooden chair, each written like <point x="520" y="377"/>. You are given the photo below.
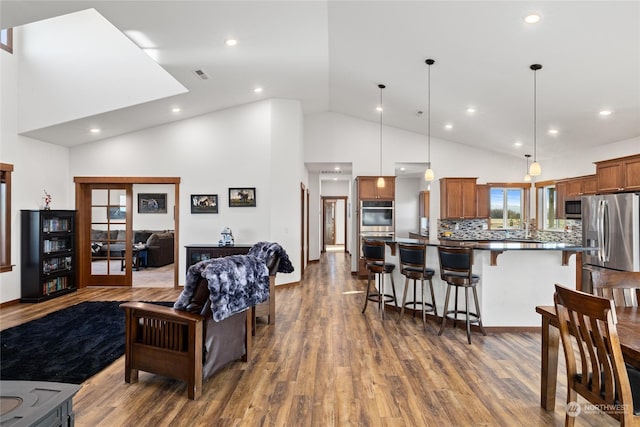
<point x="189" y="345"/>
<point x="374" y="259"/>
<point x="623" y="287"/>
<point x="413" y="266"/>
<point x="587" y="326"/>
<point x="456" y="266"/>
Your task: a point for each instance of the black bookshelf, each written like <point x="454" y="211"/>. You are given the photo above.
<point x="48" y="255"/>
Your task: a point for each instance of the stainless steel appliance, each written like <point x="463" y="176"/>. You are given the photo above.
<point x="377" y="217"/>
<point x="573" y="208"/>
<point x="611" y="226"/>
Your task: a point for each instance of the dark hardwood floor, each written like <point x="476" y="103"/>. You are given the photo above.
<point x="324" y="363"/>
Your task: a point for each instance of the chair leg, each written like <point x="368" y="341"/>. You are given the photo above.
<point x="466" y="307"/>
<point x="404" y="299"/>
<point x="455" y="310"/>
<point x="366" y="293"/>
<point x="424" y="307"/>
<point x="444" y="313"/>
<point x="475" y="297"/>
<point x="393" y="289"/>
<point x="433" y="298"/>
<point x="381" y="294"/>
<point x="414" y="297"/>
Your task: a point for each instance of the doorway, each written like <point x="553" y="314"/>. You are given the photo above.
<point x="334" y="224"/>
<point x="110" y="253"/>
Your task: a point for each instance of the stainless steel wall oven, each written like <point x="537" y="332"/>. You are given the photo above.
<point x="377" y="216"/>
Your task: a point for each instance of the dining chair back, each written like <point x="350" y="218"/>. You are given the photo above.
<point x="413" y="266"/>
<point x="374" y="253"/>
<point x="456" y="269"/>
<point x="623" y="287"/>
<point x="594" y="360"/>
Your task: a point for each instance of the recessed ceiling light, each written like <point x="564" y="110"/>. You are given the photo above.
<point x="553" y="131"/>
<point x="532" y="19"/>
<point x="517" y="144"/>
<point x="257" y="90"/>
<point x="337" y="168"/>
<point x="402" y="169"/>
<point x="231" y="42"/>
<point x="95" y="130"/>
<point x="471" y="110"/>
<point x="379" y="108"/>
<point x="605" y="112"/>
<point x="176" y="109"/>
<point x="448" y="126"/>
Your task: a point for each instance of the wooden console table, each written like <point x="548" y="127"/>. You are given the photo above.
<point x="204" y="251"/>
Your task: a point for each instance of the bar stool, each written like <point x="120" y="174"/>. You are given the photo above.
<point x="413" y="266"/>
<point x="374" y="258"/>
<point x="455" y="269"/>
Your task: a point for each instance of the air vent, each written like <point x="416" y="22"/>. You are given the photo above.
<point x="333" y="172"/>
<point x="201" y="74"/>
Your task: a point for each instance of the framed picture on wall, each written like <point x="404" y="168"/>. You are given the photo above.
<point x="152" y="202"/>
<point x="204" y="203"/>
<point x="243" y="196"/>
<point x="117" y="212"/>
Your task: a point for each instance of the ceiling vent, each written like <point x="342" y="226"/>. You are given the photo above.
<point x="201" y="74"/>
<point x="334" y="172"/>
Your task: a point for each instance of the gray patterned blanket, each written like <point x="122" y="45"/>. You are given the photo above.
<point x="236" y="282"/>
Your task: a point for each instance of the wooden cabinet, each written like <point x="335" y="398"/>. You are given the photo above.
<point x="202" y="252"/>
<point x="423" y="205"/>
<point x="621" y="174"/>
<point x="581" y="185"/>
<point x="368" y="189"/>
<point x="561" y="196"/>
<point x="48" y="254"/>
<point x="458" y="198"/>
<point x="483" y="209"/>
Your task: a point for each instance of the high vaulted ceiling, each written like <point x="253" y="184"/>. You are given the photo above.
<point x="331" y="55"/>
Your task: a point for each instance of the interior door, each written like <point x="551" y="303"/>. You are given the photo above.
<point x="329" y="222"/>
<point x="111" y="234"/>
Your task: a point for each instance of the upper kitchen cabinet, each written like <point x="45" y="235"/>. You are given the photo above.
<point x="561" y="195"/>
<point x="423" y="206"/>
<point x="458" y="198"/>
<point x="483" y="209"/>
<point x="580" y="186"/>
<point x="621" y="174"/>
<point x="368" y="190"/>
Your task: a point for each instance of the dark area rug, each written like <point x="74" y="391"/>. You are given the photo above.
<point x="66" y="346"/>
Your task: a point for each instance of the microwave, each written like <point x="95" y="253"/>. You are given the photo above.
<point x="573" y="209"/>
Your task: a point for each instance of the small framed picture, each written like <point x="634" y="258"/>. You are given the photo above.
<point x="152" y="202"/>
<point x="204" y="203"/>
<point x="117" y="212"/>
<point x="241" y="197"/>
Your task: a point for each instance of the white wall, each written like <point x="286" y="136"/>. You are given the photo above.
<point x="238" y="147"/>
<point x="154" y="221"/>
<point x="38" y="166"/>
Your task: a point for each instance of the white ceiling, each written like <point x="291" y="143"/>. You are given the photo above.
<point x="332" y="55"/>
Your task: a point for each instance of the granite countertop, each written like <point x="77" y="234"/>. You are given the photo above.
<point x="495" y="245"/>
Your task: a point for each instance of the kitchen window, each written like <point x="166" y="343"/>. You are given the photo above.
<point x="6" y="39"/>
<point x="506" y="206"/>
<point x="5" y="217"/>
<point x="548" y="208"/>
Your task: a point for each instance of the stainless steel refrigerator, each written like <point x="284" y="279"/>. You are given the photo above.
<point x="611" y="226"/>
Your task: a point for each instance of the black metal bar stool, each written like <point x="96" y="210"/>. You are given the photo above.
<point x="455" y="269"/>
<point x="413" y="260"/>
<point x="374" y="258"/>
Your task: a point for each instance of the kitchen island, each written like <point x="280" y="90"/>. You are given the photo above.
<point x="509" y="290"/>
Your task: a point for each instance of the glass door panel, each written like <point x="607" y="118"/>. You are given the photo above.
<point x="110" y="232"/>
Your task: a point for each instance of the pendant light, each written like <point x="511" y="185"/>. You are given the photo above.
<point x="381" y="183"/>
<point x="527" y="177"/>
<point x="535" y="169"/>
<point x="428" y="174"/>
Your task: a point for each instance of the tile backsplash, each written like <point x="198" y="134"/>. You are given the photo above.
<point x="478" y="229"/>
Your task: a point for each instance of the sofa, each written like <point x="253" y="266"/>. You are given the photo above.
<point x="159" y="244"/>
